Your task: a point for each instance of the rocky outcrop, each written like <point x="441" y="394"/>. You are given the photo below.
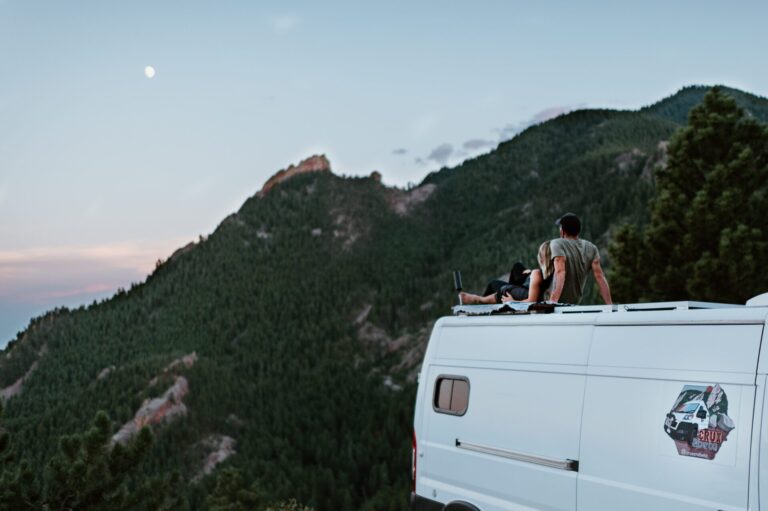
<point x="657" y="160"/>
<point x="402" y="201"/>
<point x="105" y="372"/>
<point x="219" y="447"/>
<point x="156" y="410"/>
<point x="183" y="250"/>
<point x="315" y="163"/>
<point x="345" y="228"/>
<point x="185" y="362"/>
<point x="626" y="161"/>
<point x="164" y="408"/>
<point x="15" y="389"/>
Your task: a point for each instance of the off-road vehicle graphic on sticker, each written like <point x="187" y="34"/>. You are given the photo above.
<point x="698" y="421"/>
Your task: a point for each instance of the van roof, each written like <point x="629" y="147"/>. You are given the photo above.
<point x="632" y="313"/>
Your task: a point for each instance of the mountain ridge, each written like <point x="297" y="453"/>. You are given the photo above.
<point x="308" y="309"/>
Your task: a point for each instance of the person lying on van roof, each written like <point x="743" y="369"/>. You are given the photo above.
<point x="535" y="288"/>
<point x="573" y="258"/>
<point x="517" y="285"/>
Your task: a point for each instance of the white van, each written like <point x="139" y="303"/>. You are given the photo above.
<point x="656" y="406"/>
<point x="685" y="420"/>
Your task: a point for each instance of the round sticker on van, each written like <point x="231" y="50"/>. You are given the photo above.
<point x="698" y="421"/>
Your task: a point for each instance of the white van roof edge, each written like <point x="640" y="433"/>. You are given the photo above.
<point x="682" y="305"/>
<point x="512" y="308"/>
<point x="757" y="301"/>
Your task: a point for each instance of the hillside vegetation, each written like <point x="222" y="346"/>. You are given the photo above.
<point x="304" y="316"/>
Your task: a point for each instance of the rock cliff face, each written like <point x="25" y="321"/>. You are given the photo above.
<point x="157" y="410"/>
<point x="12" y="390"/>
<point x="316" y="163"/>
<point x="164" y="408"/>
<point x="219" y="447"/>
<point x="402" y="201"/>
<point x="15" y="389"/>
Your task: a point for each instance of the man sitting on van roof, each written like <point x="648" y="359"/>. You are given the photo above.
<point x="573" y="257"/>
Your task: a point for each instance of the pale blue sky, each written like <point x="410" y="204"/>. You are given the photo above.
<point x="102" y="171"/>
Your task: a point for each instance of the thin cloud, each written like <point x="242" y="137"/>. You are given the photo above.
<point x="478" y="143"/>
<point x="445" y="153"/>
<point x="441" y="154"/>
<point x="512" y="129"/>
<point x="400" y="151"/>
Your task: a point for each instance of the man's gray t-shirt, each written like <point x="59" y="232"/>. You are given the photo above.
<point x="579" y="255"/>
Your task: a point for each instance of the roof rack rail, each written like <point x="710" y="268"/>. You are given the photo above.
<point x="545" y="307"/>
<point x="682" y="305"/>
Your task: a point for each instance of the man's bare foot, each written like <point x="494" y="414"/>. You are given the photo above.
<point x="469" y="298"/>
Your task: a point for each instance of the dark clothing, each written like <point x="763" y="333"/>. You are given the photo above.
<point x="517" y="287"/>
<point x="517" y="275"/>
<point x="500" y="287"/>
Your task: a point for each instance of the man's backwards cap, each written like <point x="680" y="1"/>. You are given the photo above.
<point x="570" y="223"/>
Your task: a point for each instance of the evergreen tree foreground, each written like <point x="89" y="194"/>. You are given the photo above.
<point x="89" y="473"/>
<point x="706" y="239"/>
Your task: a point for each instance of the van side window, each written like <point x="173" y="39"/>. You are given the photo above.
<point x="451" y="395"/>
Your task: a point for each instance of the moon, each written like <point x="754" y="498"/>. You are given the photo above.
<point x="149" y="72"/>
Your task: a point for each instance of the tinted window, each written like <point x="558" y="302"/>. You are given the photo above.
<point x="460" y="396"/>
<point x="451" y="395"/>
<point x="444" y="388"/>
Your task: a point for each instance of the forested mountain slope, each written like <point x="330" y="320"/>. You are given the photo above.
<point x="304" y="315"/>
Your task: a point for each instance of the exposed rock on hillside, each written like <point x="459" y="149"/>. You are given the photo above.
<point x="105" y="372"/>
<point x="234" y="219"/>
<point x="345" y="228"/>
<point x="659" y="159"/>
<point x="183" y="250"/>
<point x="402" y="202"/>
<point x="219" y="447"/>
<point x="163" y="408"/>
<point x="157" y="410"/>
<point x="15" y="388"/>
<point x="12" y="390"/>
<point x="627" y="160"/>
<point x="185" y="362"/>
<point x="315" y="163"/>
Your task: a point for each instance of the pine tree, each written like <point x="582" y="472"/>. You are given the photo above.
<point x="706" y="237"/>
<point x="89" y="473"/>
<point x="231" y="493"/>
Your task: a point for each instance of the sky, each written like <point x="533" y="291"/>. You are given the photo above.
<point x="104" y="170"/>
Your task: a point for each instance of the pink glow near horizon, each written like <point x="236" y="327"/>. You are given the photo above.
<point x="42" y="275"/>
